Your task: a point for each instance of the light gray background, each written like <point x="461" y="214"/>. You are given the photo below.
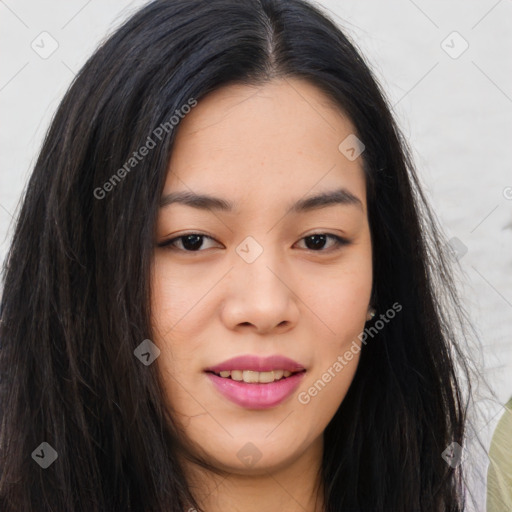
<point x="455" y="112"/>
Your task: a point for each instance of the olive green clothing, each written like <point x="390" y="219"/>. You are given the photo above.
<point x="499" y="474"/>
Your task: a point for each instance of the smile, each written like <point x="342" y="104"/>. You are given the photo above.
<point x="256" y="382"/>
<point x="250" y="376"/>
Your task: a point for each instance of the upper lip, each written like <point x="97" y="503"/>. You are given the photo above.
<point x="257" y="364"/>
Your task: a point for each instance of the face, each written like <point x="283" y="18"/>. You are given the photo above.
<point x="261" y="274"/>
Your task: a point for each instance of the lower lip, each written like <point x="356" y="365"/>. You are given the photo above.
<point x="256" y="396"/>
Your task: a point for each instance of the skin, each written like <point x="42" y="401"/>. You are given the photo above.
<point x="263" y="148"/>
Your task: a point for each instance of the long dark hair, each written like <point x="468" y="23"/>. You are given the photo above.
<point x="76" y="297"/>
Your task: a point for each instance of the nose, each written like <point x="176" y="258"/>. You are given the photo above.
<point x="260" y="295"/>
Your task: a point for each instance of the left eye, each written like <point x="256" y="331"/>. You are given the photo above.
<point x="192" y="242"/>
<point x="318" y="239"/>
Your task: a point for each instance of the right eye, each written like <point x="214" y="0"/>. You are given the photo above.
<point x="190" y="242"/>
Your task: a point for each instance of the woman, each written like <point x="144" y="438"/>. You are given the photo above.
<point x="226" y="289"/>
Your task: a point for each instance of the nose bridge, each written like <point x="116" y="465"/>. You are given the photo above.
<point x="260" y="263"/>
<point x="261" y="288"/>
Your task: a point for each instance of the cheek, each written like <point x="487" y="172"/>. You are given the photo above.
<point x="179" y="355"/>
<point x="342" y="308"/>
<point x="336" y="354"/>
<point x="173" y="305"/>
<point x="338" y="297"/>
<point x="177" y="295"/>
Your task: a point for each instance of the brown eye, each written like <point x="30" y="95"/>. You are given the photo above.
<point x="190" y="242"/>
<point x="317" y="241"/>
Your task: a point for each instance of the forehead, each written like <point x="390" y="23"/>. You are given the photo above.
<point x="274" y="141"/>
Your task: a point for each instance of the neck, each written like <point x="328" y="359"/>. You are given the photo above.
<point x="290" y="487"/>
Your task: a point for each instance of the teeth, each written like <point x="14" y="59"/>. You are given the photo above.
<point x="236" y="375"/>
<point x="253" y="377"/>
<point x="265" y="377"/>
<point x="250" y="376"/>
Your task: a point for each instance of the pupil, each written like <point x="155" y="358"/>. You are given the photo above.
<point x="196" y="242"/>
<point x="318" y="241"/>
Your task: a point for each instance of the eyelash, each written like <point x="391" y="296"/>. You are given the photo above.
<point x="339" y="242"/>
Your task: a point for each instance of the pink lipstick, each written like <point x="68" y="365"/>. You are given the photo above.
<point x="256" y="382"/>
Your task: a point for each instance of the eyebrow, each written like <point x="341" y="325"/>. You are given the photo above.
<point x="206" y="202"/>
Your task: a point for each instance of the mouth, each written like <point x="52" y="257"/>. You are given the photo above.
<point x="256" y="382"/>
